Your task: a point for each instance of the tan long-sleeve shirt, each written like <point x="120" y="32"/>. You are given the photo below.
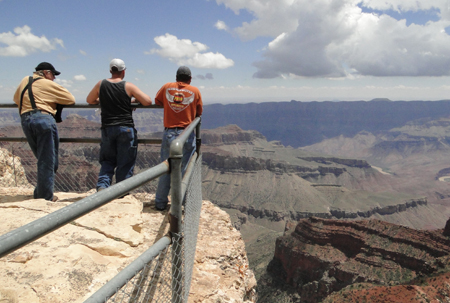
<point x="46" y="95"/>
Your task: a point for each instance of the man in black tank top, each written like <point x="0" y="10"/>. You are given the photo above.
<point x="118" y="148"/>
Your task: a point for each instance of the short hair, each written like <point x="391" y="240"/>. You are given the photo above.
<point x="115" y="71"/>
<point x="183" y="78"/>
<point x="39" y="73"/>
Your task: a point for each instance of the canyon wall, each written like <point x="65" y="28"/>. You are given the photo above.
<point x="317" y="256"/>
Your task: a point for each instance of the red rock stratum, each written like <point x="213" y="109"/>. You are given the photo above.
<point x="321" y="257"/>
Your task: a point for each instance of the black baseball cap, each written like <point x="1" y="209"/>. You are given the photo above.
<point x="184" y="71"/>
<point x="47" y="66"/>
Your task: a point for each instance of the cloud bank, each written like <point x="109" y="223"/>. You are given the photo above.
<point x="342" y="38"/>
<point x="22" y="43"/>
<point x="186" y="52"/>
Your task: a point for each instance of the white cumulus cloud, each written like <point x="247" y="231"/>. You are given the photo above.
<point x="220" y="25"/>
<point x="186" y="52"/>
<point x="22" y="42"/>
<point x="63" y="82"/>
<point x="338" y="38"/>
<point x="79" y="78"/>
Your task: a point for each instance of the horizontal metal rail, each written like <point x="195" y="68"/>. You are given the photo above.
<point x="26" y="234"/>
<point x="86" y="105"/>
<point x="110" y="288"/>
<point x="30" y="232"/>
<point x="78" y="140"/>
<point x="187" y="174"/>
<point x="82" y="140"/>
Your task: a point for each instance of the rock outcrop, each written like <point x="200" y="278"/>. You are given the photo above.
<point x="322" y="256"/>
<point x="12" y="173"/>
<point x="71" y="263"/>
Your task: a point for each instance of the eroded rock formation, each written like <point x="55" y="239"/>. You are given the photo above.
<point x="322" y="256"/>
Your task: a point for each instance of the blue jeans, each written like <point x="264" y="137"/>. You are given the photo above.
<point x="161" y="198"/>
<point x="42" y="136"/>
<point x="118" y="151"/>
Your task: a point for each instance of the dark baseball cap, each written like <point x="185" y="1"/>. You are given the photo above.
<point x="47" y="66"/>
<point x="184" y="71"/>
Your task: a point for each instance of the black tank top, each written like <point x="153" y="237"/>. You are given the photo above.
<point x="115" y="104"/>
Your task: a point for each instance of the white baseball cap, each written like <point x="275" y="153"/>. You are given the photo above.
<point x="118" y="63"/>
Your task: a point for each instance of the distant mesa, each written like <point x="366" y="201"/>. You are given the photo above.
<point x="380" y="99"/>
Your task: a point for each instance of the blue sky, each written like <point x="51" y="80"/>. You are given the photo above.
<point x="239" y="51"/>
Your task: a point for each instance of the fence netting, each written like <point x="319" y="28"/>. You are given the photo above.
<point x="152" y="284"/>
<point x="163" y="279"/>
<point x="191" y="222"/>
<point x="167" y="277"/>
<point x="77" y="170"/>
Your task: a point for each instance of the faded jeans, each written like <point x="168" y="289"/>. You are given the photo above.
<point x="161" y="198"/>
<point x="118" y="151"/>
<point x="42" y="136"/>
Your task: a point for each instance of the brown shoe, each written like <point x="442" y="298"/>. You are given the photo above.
<point x="55" y="198"/>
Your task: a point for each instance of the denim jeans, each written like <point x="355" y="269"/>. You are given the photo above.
<point x="161" y="198"/>
<point x="118" y="151"/>
<point x="42" y="136"/>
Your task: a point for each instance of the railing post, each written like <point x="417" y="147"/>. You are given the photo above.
<point x="175" y="216"/>
<point x="198" y="138"/>
<point x="176" y="155"/>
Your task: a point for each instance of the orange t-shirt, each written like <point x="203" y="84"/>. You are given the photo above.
<point x="182" y="103"/>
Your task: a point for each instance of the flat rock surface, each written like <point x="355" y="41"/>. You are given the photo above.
<point x="71" y="263"/>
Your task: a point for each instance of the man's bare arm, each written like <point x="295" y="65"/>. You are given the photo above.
<point x="140" y="96"/>
<point x="92" y="98"/>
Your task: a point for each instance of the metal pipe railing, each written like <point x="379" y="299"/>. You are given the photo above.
<point x="110" y="288"/>
<point x="187" y="174"/>
<point x="30" y="232"/>
<point x="85" y="105"/>
<point x="175" y="159"/>
<point x="78" y="140"/>
<point x="19" y="237"/>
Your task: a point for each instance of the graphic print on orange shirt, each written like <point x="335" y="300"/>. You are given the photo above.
<point x="179" y="99"/>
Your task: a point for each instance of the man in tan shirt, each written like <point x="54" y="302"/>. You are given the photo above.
<point x="37" y="97"/>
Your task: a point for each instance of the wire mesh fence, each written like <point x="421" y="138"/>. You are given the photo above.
<point x="167" y="276"/>
<point x="163" y="279"/>
<point x="78" y="165"/>
<point x="152" y="284"/>
<point x="191" y="221"/>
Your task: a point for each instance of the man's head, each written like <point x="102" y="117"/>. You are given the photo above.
<point x="47" y="70"/>
<point x="117" y="66"/>
<point x="184" y="74"/>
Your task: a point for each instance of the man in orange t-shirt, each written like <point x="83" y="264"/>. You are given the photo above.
<point x="182" y="103"/>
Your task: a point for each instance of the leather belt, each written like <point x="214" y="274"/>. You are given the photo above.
<point x="166" y="128"/>
<point x="36" y="111"/>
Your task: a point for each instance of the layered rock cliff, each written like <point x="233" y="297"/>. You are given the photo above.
<point x="321" y="256"/>
<point x="71" y="263"/>
<point x="242" y="171"/>
<point x="416" y="153"/>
